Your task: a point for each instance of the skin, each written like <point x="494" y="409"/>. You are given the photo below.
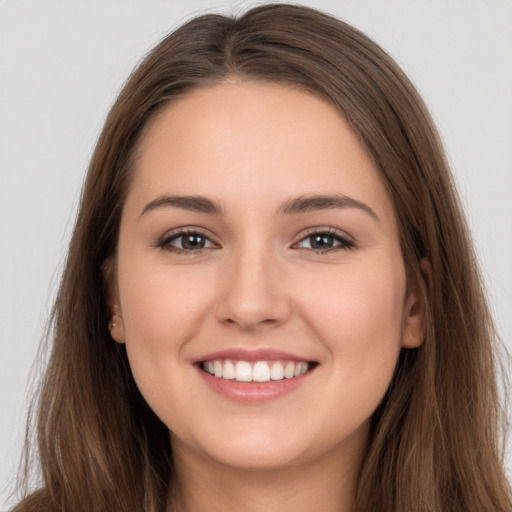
<point x="260" y="283"/>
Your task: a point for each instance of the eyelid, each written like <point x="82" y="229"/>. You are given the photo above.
<point x="164" y="241"/>
<point x="347" y="242"/>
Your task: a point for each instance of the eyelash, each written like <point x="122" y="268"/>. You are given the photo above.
<point x="344" y="243"/>
<point x="165" y="242"/>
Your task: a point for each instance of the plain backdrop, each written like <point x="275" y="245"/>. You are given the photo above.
<point x="62" y="63"/>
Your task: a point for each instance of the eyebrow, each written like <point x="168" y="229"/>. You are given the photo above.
<point x="198" y="204"/>
<point x="301" y="204"/>
<point x="305" y="204"/>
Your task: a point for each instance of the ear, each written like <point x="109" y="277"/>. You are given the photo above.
<point x="116" y="324"/>
<point x="414" y="321"/>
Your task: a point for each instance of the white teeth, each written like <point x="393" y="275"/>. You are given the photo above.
<point x="300" y="369"/>
<point x="229" y="370"/>
<point x="217" y="368"/>
<point x="261" y="371"/>
<point x="243" y="371"/>
<point x="289" y="370"/>
<point x="277" y="371"/>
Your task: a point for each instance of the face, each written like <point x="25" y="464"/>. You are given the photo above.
<point x="260" y="288"/>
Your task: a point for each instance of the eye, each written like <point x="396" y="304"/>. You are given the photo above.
<point x="186" y="241"/>
<point x="325" y="241"/>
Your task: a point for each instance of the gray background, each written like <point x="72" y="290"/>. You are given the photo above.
<point x="62" y="62"/>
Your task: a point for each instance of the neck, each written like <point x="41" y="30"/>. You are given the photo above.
<point x="327" y="483"/>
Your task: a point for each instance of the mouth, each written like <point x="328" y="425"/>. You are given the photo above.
<point x="254" y="376"/>
<point x="259" y="371"/>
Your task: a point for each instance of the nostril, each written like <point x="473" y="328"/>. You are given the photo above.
<point x="252" y="300"/>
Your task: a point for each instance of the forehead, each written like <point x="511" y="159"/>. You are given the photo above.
<point x="247" y="137"/>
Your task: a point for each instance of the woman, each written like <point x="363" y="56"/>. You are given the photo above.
<point x="270" y="300"/>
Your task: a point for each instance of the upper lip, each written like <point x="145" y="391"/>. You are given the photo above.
<point x="242" y="354"/>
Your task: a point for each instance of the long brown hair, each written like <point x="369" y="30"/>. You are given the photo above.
<point x="435" y="441"/>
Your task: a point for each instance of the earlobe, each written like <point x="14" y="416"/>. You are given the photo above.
<point x="414" y="326"/>
<point x="115" y="325"/>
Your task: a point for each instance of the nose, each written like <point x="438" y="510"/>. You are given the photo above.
<point x="253" y="297"/>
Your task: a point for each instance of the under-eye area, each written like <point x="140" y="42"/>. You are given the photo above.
<point x="256" y="371"/>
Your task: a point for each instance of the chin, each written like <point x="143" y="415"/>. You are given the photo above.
<point x="258" y="456"/>
<point x="264" y="447"/>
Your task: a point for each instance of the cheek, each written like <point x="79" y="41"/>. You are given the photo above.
<point x="162" y="311"/>
<point x="358" y="316"/>
<point x="359" y="322"/>
<point x="161" y="305"/>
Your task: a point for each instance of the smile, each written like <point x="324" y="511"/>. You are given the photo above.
<point x="254" y="376"/>
<point x="257" y="371"/>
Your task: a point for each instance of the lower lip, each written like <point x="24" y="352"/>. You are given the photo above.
<point x="253" y="392"/>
